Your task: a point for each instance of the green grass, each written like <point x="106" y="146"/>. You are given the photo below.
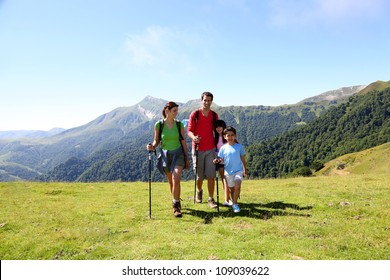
<point x="324" y="218"/>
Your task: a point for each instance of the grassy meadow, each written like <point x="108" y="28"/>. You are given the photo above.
<point x="316" y="218"/>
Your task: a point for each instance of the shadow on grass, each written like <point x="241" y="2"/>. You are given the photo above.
<point x="252" y="210"/>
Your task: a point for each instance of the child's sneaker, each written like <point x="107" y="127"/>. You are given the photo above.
<point x="228" y="203"/>
<point x="236" y="208"/>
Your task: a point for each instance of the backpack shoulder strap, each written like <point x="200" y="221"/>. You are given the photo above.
<point x="160" y="130"/>
<point x="196" y="116"/>
<point x="214" y="117"/>
<point x="178" y="124"/>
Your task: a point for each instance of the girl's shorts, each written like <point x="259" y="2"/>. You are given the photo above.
<point x="233" y="178"/>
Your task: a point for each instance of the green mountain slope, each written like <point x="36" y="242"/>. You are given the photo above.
<point x="374" y="161"/>
<point x="378" y="86"/>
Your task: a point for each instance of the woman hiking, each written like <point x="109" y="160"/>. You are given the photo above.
<point x="169" y="132"/>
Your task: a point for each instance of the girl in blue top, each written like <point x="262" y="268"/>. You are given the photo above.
<point x="232" y="155"/>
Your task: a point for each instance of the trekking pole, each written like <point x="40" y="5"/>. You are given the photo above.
<point x="150" y="184"/>
<point x="216" y="177"/>
<point x="196" y="169"/>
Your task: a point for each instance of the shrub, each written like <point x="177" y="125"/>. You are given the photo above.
<point x="302" y="171"/>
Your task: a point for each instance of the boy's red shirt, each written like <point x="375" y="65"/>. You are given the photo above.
<point x="204" y="128"/>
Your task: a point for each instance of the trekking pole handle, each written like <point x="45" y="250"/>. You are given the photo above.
<point x="197" y="139"/>
<point x="150" y="151"/>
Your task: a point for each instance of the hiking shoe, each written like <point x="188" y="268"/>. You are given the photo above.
<point x="212" y="203"/>
<point x="199" y="194"/>
<point x="177" y="209"/>
<point x="228" y="203"/>
<point x="236" y="208"/>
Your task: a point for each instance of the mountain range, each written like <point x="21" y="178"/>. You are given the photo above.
<point x="31" y="134"/>
<point x="111" y="147"/>
<point x="149" y="109"/>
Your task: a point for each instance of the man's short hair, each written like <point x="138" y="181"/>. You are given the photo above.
<point x="206" y="93"/>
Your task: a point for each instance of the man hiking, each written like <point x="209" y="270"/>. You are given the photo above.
<point x="201" y="131"/>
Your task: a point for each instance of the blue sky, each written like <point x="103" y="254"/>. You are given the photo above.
<point x="65" y="62"/>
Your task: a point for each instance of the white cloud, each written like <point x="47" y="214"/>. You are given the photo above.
<point x="148" y="48"/>
<point x="302" y="12"/>
<point x="340" y="9"/>
<point x="165" y="49"/>
<point x="241" y="5"/>
<point x="285" y="12"/>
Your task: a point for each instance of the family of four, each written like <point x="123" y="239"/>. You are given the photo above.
<point x="214" y="148"/>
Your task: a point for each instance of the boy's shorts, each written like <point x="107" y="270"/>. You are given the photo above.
<point x="233" y="178"/>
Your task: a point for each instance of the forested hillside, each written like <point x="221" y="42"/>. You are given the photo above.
<point x="361" y="123"/>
